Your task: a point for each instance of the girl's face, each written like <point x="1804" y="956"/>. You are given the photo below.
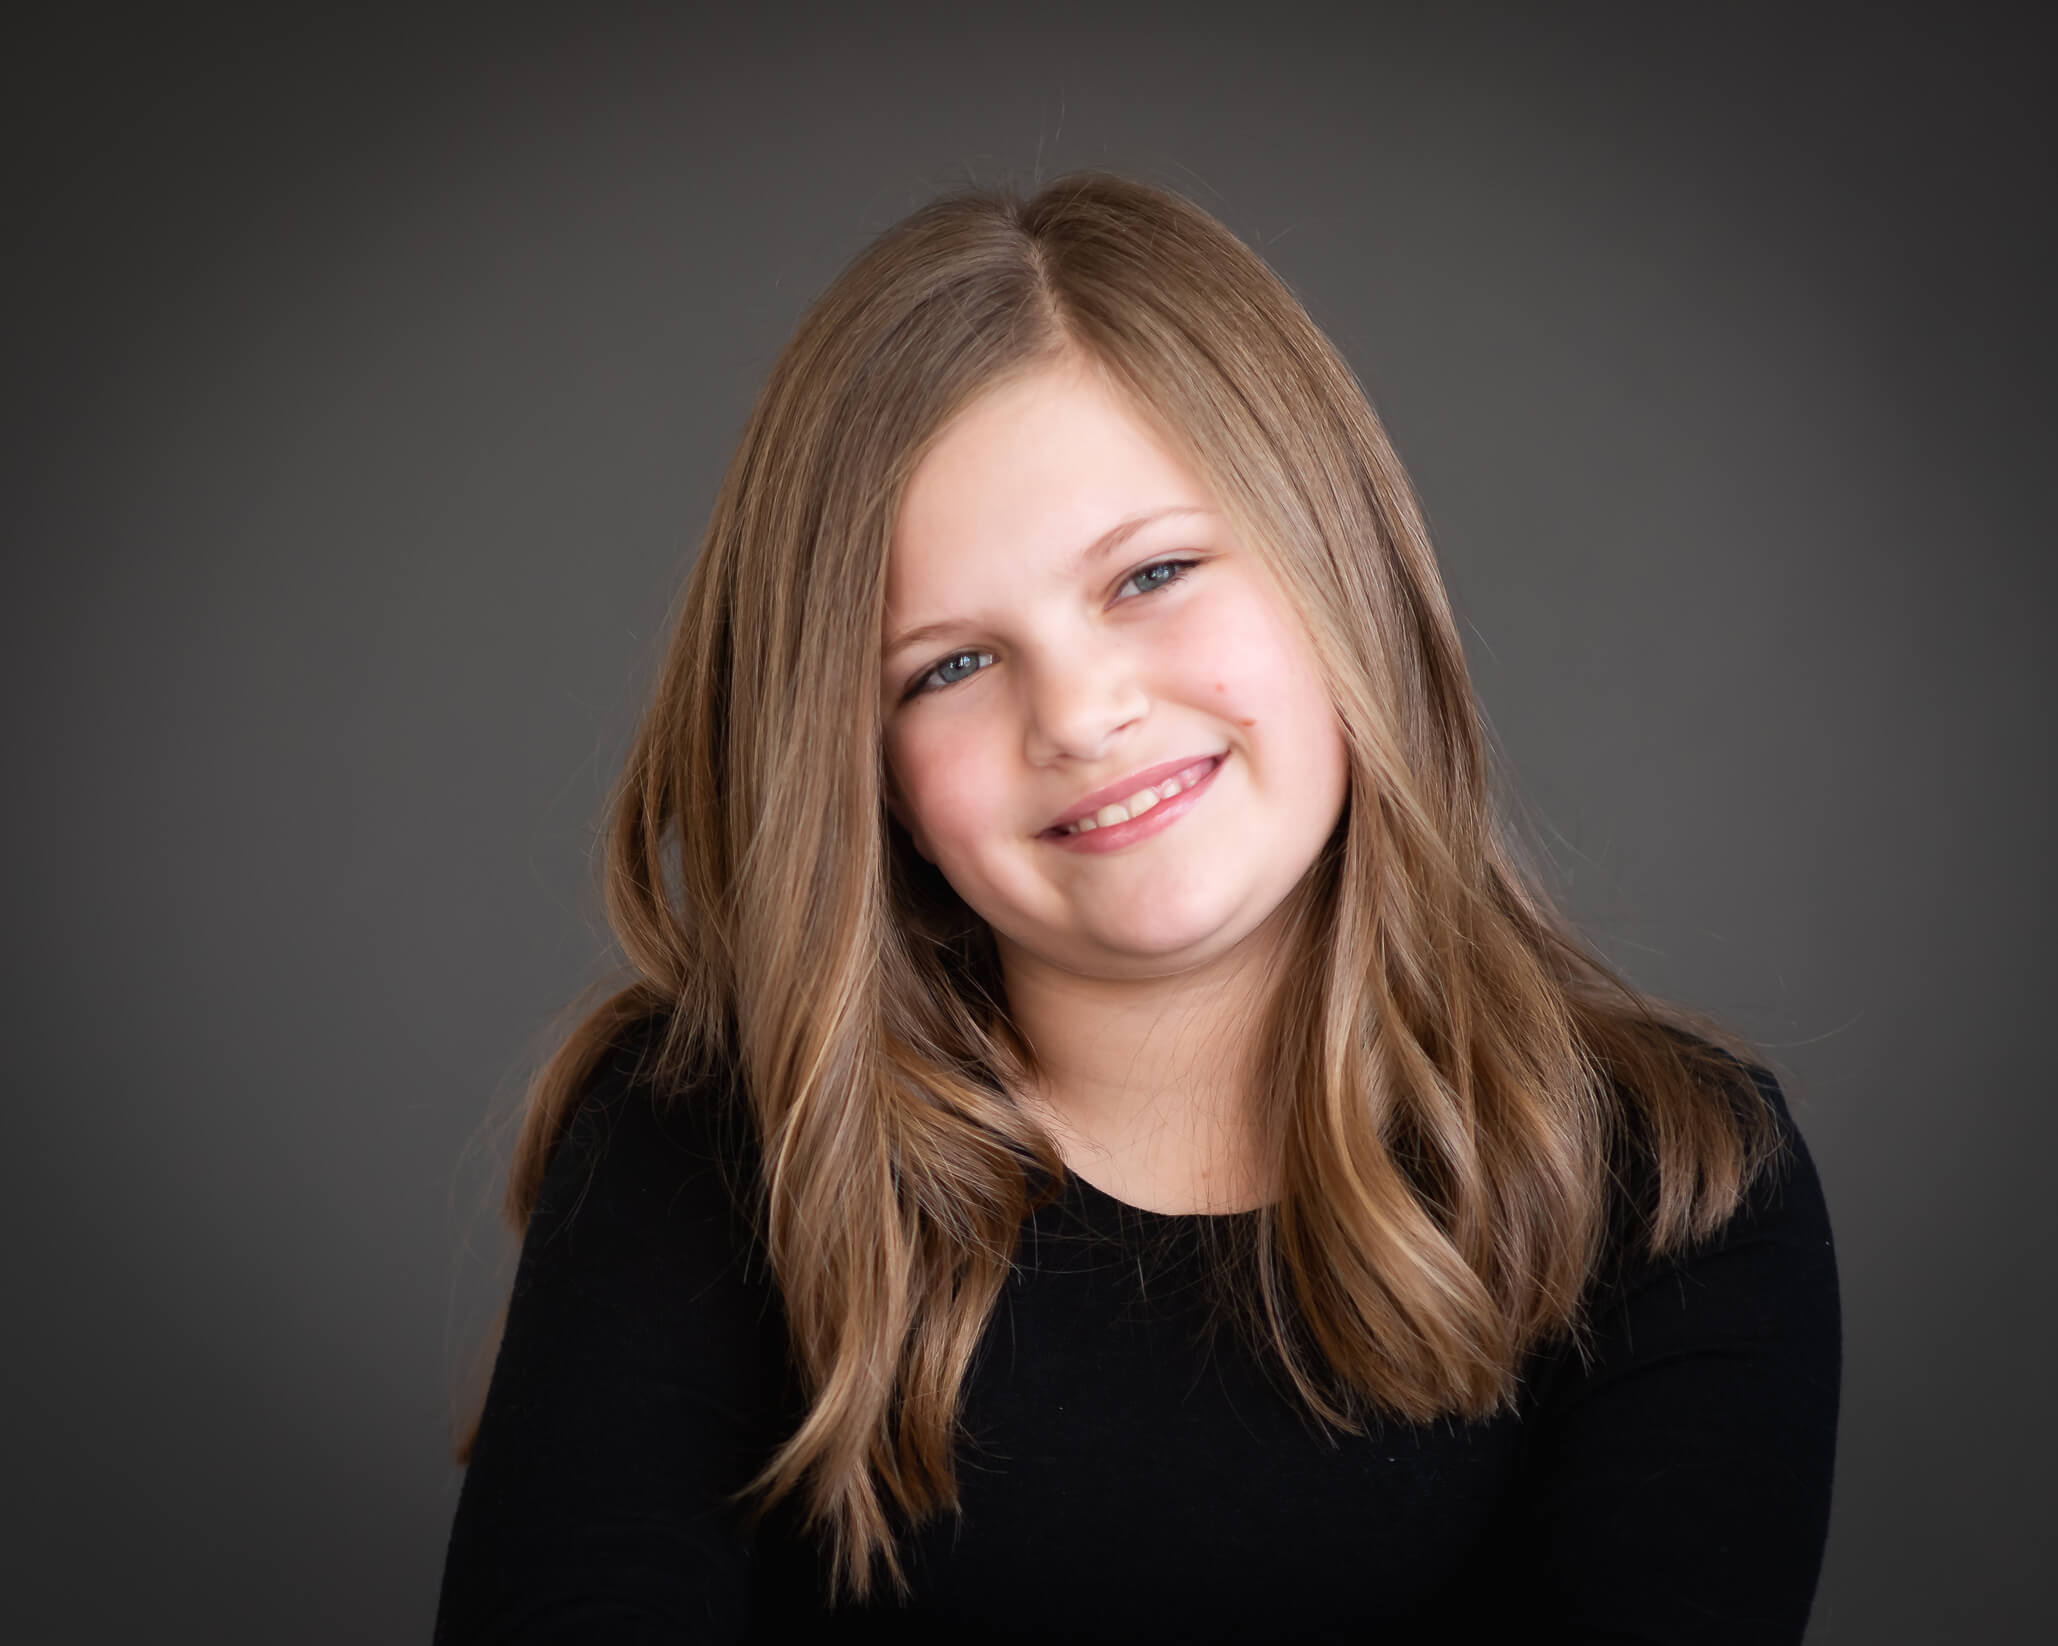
<point x="1088" y="629"/>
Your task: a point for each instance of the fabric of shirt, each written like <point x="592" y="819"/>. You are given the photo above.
<point x="1126" y="1475"/>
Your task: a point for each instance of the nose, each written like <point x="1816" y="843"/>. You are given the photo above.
<point x="1078" y="703"/>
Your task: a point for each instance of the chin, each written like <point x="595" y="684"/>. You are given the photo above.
<point x="1164" y="931"/>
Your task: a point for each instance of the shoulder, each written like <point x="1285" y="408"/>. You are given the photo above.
<point x="1773" y="1254"/>
<point x="1786" y="1193"/>
<point x="1676" y="1470"/>
<point x="638" y="1148"/>
<point x="1745" y="1318"/>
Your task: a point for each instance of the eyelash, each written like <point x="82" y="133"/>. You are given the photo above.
<point x="921" y="687"/>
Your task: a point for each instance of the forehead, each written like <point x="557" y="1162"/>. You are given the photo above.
<point x="1029" y="473"/>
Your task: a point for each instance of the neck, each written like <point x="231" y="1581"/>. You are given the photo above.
<point x="1145" y="1082"/>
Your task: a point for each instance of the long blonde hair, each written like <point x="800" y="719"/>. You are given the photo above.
<point x="1457" y="1072"/>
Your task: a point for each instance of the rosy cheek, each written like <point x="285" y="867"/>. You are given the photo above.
<point x="956" y="792"/>
<point x="1226" y="624"/>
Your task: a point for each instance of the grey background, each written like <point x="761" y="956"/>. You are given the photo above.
<point x="367" y="384"/>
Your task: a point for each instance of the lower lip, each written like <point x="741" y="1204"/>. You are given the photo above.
<point x="1114" y="836"/>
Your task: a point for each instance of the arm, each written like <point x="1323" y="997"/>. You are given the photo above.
<point x="1678" y="1489"/>
<point x="634" y="1387"/>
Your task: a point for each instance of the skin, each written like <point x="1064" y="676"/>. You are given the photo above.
<point x="1132" y="973"/>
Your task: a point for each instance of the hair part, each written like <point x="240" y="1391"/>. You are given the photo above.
<point x="1459" y="1076"/>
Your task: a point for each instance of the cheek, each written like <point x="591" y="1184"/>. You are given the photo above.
<point x="1239" y="658"/>
<point x="945" y="785"/>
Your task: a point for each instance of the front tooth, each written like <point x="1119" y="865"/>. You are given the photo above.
<point x="1137" y="804"/>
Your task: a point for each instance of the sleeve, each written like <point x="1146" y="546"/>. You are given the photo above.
<point x="635" y="1386"/>
<point x="1677" y="1488"/>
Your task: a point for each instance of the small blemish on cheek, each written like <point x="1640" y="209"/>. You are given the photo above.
<point x="1246" y="722"/>
<point x="1218" y="686"/>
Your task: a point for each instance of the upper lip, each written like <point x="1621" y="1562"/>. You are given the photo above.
<point x="1123" y="787"/>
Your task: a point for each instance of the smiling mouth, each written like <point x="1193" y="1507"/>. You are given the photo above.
<point x="1140" y="804"/>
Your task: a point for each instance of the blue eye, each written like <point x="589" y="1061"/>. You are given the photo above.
<point x="943" y="667"/>
<point x="1176" y="570"/>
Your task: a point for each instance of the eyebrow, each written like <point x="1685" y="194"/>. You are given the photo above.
<point x="1108" y="541"/>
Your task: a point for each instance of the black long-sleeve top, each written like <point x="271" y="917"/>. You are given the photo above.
<point x="1130" y="1477"/>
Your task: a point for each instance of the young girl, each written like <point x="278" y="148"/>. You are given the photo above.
<point x="1069" y="917"/>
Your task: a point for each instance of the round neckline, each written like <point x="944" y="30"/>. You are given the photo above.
<point x="1094" y="1194"/>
